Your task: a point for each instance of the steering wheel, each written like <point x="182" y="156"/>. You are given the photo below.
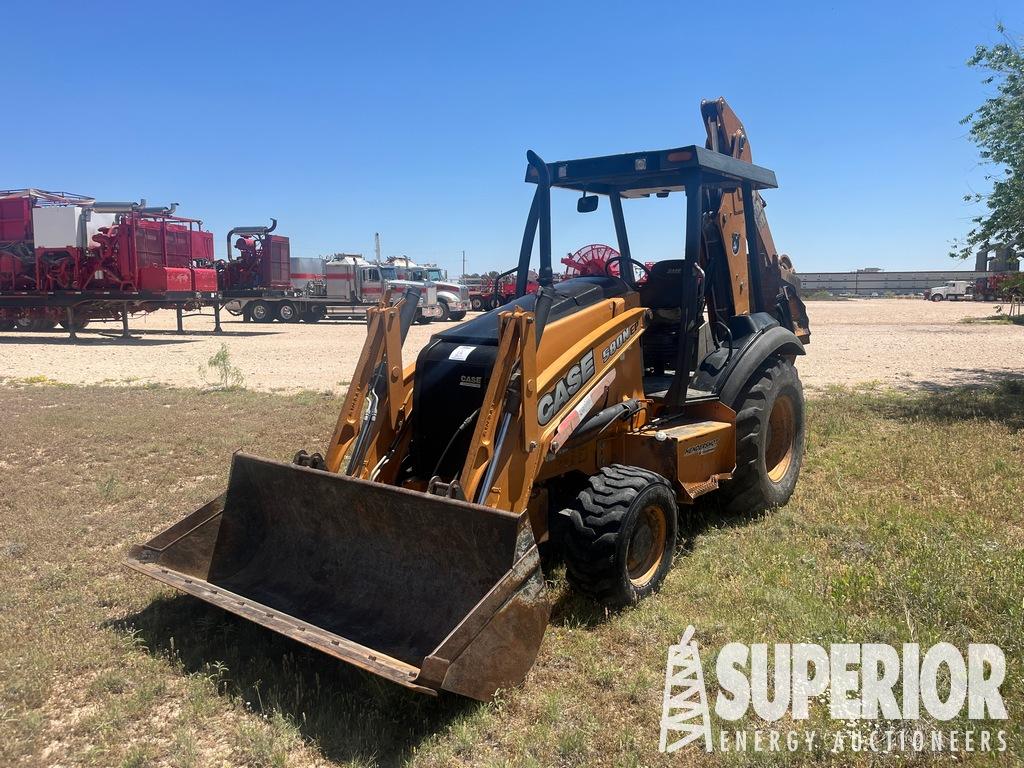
<point x="633" y="262"/>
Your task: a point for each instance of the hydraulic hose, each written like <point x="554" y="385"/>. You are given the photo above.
<point x="601" y="420"/>
<point x="455" y="435"/>
<point x="512" y="400"/>
<point x="368" y="418"/>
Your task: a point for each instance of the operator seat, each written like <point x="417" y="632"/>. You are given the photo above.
<point x="663" y="288"/>
<point x="662" y="293"/>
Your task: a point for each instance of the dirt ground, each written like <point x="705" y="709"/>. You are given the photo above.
<point x="102" y="667"/>
<point x="901" y="343"/>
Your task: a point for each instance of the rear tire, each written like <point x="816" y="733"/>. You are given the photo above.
<point x="6" y="325"/>
<point x="261" y="312"/>
<point x="769" y="440"/>
<point x="287" y="313"/>
<point x="621" y="535"/>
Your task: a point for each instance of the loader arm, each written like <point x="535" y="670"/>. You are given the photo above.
<point x="510" y="392"/>
<point x="766" y="282"/>
<point x="379" y="368"/>
<point x="598" y="347"/>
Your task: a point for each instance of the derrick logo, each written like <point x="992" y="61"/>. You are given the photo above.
<point x="856" y="683"/>
<point x="618" y="341"/>
<point x="551" y="402"/>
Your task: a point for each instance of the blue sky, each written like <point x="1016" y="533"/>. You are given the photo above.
<point x="413" y="120"/>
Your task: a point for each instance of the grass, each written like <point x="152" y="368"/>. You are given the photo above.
<point x="227" y="375"/>
<point x="822" y="295"/>
<point x="906" y="526"/>
<point x="997" y="319"/>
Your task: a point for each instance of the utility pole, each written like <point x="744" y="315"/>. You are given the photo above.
<point x="463" y="263"/>
<point x="376" y="245"/>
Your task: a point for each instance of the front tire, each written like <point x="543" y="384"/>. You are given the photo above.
<point x="78" y="324"/>
<point x="477" y="303"/>
<point x="622" y="535"/>
<point x="457" y="316"/>
<point x="314" y="314"/>
<point x="769" y="440"/>
<point x="937" y="297"/>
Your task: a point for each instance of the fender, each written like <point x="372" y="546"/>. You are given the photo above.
<point x="755" y="338"/>
<point x="449" y="296"/>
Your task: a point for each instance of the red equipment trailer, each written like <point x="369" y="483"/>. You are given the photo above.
<point x="1002" y="286"/>
<point x="257" y="284"/>
<point x="68" y="259"/>
<point x="483" y="295"/>
<point x="594" y="259"/>
<point x="591" y="260"/>
<point x="263" y="261"/>
<point x="598" y="259"/>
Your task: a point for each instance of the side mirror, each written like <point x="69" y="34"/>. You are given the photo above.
<point x="587" y="204"/>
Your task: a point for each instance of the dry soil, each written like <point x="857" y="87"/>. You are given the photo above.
<point x="901" y="343"/>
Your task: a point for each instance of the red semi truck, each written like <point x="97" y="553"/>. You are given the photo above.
<point x="998" y="287"/>
<point x="69" y="259"/>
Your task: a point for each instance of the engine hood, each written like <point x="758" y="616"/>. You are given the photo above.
<point x="411" y="283"/>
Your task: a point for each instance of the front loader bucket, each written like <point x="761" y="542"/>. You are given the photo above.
<point x="429" y="592"/>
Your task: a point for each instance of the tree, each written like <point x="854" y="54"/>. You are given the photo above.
<point x="997" y="127"/>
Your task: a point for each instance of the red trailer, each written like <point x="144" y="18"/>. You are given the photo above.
<point x="68" y="259"/>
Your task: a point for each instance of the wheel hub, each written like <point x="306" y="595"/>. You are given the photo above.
<point x="778" y="454"/>
<point x="646" y="545"/>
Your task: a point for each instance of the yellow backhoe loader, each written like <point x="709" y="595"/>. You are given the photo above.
<point x="589" y="415"/>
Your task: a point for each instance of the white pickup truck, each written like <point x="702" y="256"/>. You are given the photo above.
<point x="953" y="289"/>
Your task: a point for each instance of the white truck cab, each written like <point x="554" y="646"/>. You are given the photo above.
<point x="952" y="290"/>
<point x="452" y="297"/>
<point x="358" y="282"/>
